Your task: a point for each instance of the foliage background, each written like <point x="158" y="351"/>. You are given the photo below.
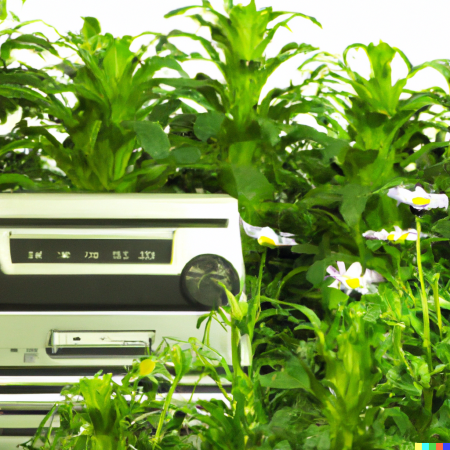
<point x="420" y="32"/>
<point x="333" y="365"/>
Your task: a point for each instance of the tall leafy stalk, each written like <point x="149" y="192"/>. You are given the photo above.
<point x="423" y="297"/>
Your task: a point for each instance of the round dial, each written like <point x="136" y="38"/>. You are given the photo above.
<point x="200" y="276"/>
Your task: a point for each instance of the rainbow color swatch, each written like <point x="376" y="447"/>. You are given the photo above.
<point x="432" y="447"/>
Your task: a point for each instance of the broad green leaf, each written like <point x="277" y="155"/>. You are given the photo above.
<point x="373" y="313"/>
<point x="401" y="419"/>
<point x="117" y="59"/>
<point x="317" y="271"/>
<point x="442" y="227"/>
<point x="35" y="42"/>
<point x="19" y="92"/>
<point x="441" y="65"/>
<point x="207" y="125"/>
<point x="161" y="113"/>
<point x="18" y="180"/>
<point x="334" y="297"/>
<point x="91" y="27"/>
<point x="152" y="138"/>
<point x="309" y="313"/>
<point x="283" y="445"/>
<point x="241" y="153"/>
<point x="288" y="47"/>
<point x="423" y="151"/>
<point x="252" y="184"/>
<point x="396" y="182"/>
<point x="354" y="199"/>
<point x="293" y="376"/>
<point x="207" y="45"/>
<point x="179" y="11"/>
<point x="270" y="131"/>
<point x="308" y="249"/>
<point x="187" y="155"/>
<point x="25" y="143"/>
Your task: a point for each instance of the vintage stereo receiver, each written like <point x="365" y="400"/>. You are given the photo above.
<point x="99" y="279"/>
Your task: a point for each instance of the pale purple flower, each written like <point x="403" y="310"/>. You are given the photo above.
<point x="397" y="235"/>
<point x="352" y="279"/>
<point x="419" y="198"/>
<point x="267" y="237"/>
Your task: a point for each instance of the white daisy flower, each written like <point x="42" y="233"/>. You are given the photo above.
<point x="397" y="235"/>
<point x="352" y="279"/>
<point x="419" y="198"/>
<point x="267" y="237"/>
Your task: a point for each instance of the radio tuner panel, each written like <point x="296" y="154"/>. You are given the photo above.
<point x="152" y="252"/>
<point x="84" y="276"/>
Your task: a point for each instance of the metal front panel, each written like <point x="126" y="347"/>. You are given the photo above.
<point x="93" y="293"/>
<point x="25" y="337"/>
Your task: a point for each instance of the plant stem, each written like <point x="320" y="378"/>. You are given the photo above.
<point x="423" y="296"/>
<point x="235" y="356"/>
<point x="360" y="243"/>
<point x="437" y="305"/>
<point x="255" y="308"/>
<point x="164" y="412"/>
<point x="206" y="336"/>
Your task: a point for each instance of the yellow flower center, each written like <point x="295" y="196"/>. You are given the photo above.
<point x="421" y="201"/>
<point x="391" y="237"/>
<point x="264" y="240"/>
<point x="146" y="367"/>
<point x="353" y="283"/>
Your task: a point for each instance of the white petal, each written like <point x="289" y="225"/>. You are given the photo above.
<point x="362" y="290"/>
<point x="287" y="241"/>
<point x="341" y="266"/>
<point x="269" y="233"/>
<point x="354" y="271"/>
<point x="400" y="194"/>
<point x="282" y="234"/>
<point x="251" y="230"/>
<point x="334" y="284"/>
<point x="332" y="271"/>
<point x="438" y="201"/>
<point x="371" y="276"/>
<point x="382" y="235"/>
<point x="394" y="193"/>
<point x="412" y="234"/>
<point x="420" y="191"/>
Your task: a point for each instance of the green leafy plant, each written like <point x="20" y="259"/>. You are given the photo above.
<point x="21" y="165"/>
<point x="383" y="124"/>
<point x="243" y="131"/>
<point x="327" y="369"/>
<point x="108" y="122"/>
<point x="99" y="413"/>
